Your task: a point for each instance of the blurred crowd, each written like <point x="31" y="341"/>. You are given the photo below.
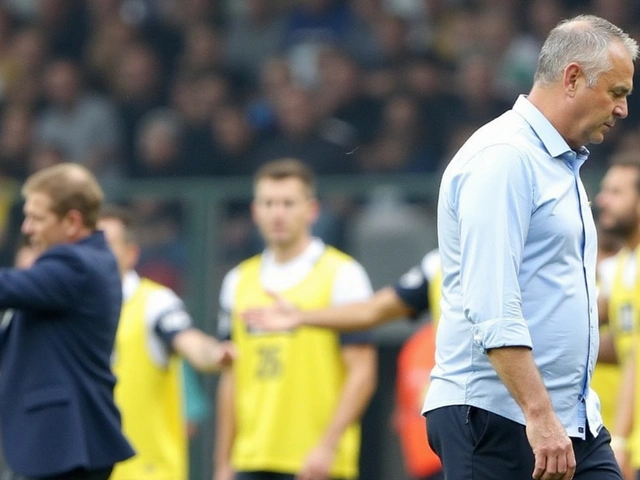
<point x="166" y="88"/>
<point x="182" y="88"/>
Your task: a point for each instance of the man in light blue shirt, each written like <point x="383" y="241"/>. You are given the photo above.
<point x="518" y="337"/>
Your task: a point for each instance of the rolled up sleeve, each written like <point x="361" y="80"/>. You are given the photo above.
<point x="501" y="332"/>
<point x="493" y="202"/>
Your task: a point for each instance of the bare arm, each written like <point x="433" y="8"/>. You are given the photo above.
<point x="626" y="402"/>
<point x="603" y="309"/>
<point x="225" y="427"/>
<point x="548" y="439"/>
<point x="607" y="352"/>
<point x="359" y="386"/>
<point x="202" y="351"/>
<point x="383" y="306"/>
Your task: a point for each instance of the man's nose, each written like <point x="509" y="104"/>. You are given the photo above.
<point x="622" y="109"/>
<point x="26" y="227"/>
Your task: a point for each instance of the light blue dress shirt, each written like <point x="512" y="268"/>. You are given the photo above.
<point x="518" y="248"/>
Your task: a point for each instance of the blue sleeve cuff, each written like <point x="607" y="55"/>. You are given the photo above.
<point x="502" y="332"/>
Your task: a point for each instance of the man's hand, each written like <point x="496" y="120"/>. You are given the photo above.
<point x="318" y="464"/>
<point x="552" y="448"/>
<point x="204" y="352"/>
<point x="281" y="316"/>
<point x="224" y="354"/>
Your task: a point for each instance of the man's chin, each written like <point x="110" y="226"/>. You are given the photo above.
<point x="279" y="240"/>
<point x="597" y="138"/>
<point x="616" y="230"/>
<point x="39" y="246"/>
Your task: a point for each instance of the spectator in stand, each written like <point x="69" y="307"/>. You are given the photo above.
<point x="275" y="76"/>
<point x="253" y="35"/>
<point x="234" y="142"/>
<point x="159" y="145"/>
<point x="83" y="124"/>
<point x="299" y="135"/>
<point x="399" y="146"/>
<point x="203" y="50"/>
<point x="16" y="136"/>
<point x="137" y="85"/>
<point x="351" y="114"/>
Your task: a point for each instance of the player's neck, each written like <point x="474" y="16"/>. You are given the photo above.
<point x="632" y="241"/>
<point x="286" y="253"/>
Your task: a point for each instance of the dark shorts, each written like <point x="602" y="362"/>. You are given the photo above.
<point x="80" y="474"/>
<point x="264" y="476"/>
<point x="435" y="476"/>
<point x="476" y="444"/>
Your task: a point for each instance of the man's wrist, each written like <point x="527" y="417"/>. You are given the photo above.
<point x="299" y="319"/>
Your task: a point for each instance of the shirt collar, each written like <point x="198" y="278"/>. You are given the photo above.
<point x="310" y="255"/>
<point x="547" y="133"/>
<point x="130" y="284"/>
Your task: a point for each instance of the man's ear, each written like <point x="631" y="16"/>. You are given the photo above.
<point x="73" y="224"/>
<point x="314" y="210"/>
<point x="571" y="78"/>
<point x="253" y="211"/>
<point x="133" y="255"/>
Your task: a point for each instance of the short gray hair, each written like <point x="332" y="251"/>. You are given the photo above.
<point x="584" y="39"/>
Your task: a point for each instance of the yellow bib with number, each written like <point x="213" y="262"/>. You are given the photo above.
<point x="287" y="384"/>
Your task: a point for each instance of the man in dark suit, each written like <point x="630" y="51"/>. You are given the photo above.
<point x="57" y="414"/>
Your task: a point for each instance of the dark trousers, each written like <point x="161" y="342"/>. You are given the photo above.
<point x="78" y="474"/>
<point x="476" y="444"/>
<point x="264" y="476"/>
<point x="435" y="476"/>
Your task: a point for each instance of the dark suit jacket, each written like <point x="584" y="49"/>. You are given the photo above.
<point x="56" y="387"/>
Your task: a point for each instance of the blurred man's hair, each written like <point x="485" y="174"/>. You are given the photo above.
<point x="288" y="168"/>
<point x="628" y="158"/>
<point x="70" y="187"/>
<point x="122" y="215"/>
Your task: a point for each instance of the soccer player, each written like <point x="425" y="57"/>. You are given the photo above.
<point x="291" y="405"/>
<point x="154" y="335"/>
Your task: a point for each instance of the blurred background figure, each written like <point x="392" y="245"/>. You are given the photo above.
<point x="155" y="330"/>
<point x="25" y="256"/>
<point x="415" y="362"/>
<point x="313" y="385"/>
<point x="618" y="216"/>
<point x="84" y="125"/>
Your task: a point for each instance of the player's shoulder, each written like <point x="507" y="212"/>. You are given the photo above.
<point x="344" y="263"/>
<point x="334" y="253"/>
<point x="607" y="269"/>
<point x="607" y="266"/>
<point x="161" y="297"/>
